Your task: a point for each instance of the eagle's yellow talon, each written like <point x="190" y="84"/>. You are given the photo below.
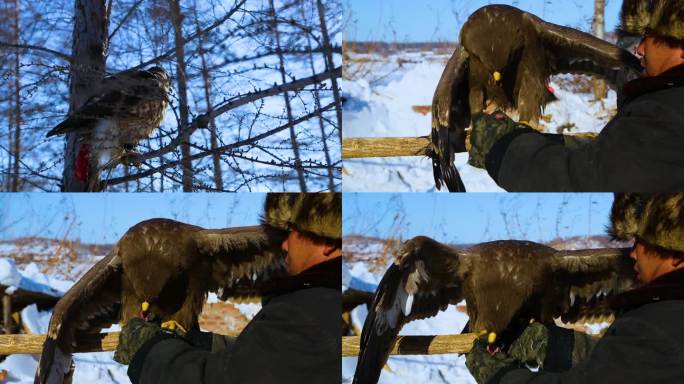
<point x="491" y="338"/>
<point x="145" y="306"/>
<point x="173" y="325"/>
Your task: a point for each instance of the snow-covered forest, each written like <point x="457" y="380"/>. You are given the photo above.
<point x="254" y="103"/>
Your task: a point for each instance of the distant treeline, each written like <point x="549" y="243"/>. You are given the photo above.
<point x="382" y="47"/>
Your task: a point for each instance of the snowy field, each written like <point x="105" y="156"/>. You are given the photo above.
<point x="381" y="91"/>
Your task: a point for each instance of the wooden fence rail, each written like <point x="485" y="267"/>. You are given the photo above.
<point x="385" y="147"/>
<point x="406" y="345"/>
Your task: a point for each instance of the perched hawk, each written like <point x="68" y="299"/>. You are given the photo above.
<point x="504" y="283"/>
<point x="170" y="265"/>
<point x="125" y="109"/>
<point x="506" y="56"/>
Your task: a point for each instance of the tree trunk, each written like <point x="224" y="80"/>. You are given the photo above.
<point x="216" y="156"/>
<point x="186" y="163"/>
<point x="288" y="107"/>
<point x="321" y="121"/>
<point x="87" y="69"/>
<point x="597" y="28"/>
<point x="330" y="64"/>
<point x="16" y="147"/>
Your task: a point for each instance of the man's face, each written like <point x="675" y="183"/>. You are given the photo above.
<point x="648" y="264"/>
<point x="658" y="57"/>
<point x="299" y="250"/>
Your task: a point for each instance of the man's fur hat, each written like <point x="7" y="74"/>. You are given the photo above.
<point x="664" y="17"/>
<point x="656" y="219"/>
<point x="318" y="214"/>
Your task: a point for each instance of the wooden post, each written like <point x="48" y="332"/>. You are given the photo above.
<point x="406" y="345"/>
<point x="385" y="147"/>
<point x="418" y="345"/>
<point x="7" y="313"/>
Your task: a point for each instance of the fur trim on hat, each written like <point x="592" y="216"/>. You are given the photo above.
<point x="278" y="210"/>
<point x="662" y="223"/>
<point x="319" y="214"/>
<point x="664" y="17"/>
<point x="635" y="16"/>
<point x="668" y="19"/>
<point x="625" y="214"/>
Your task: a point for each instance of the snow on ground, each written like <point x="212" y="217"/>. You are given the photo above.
<point x="379" y="104"/>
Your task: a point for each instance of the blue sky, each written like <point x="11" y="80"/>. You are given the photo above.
<point x="104" y="217"/>
<point x="440" y="20"/>
<point x="476" y="217"/>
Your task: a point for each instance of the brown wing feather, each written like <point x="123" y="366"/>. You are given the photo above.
<point x="450" y="117"/>
<point x="241" y="258"/>
<point x="571" y="51"/>
<point x="591" y="276"/>
<point x="422" y="281"/>
<point x="91" y="303"/>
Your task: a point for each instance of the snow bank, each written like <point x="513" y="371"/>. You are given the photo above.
<point x="30" y="279"/>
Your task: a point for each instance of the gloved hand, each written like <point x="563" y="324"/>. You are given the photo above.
<point x="487" y="129"/>
<point x="483" y="365"/>
<point x="133" y="335"/>
<point x="531" y="346"/>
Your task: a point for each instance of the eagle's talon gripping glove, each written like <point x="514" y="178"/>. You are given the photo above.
<point x="487" y="129"/>
<point x="134" y="335"/>
<point x="483" y="365"/>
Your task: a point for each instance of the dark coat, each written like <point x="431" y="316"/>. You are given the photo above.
<point x="645" y="344"/>
<point x="640" y="150"/>
<point x="295" y="338"/>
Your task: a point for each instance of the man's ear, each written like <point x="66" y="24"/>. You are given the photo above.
<point x="329" y="250"/>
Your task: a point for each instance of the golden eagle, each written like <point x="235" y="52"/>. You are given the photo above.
<point x="171" y="266"/>
<point x="125" y="109"/>
<point x="504" y="283"/>
<point x="506" y="56"/>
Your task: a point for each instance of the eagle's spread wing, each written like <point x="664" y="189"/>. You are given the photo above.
<point x="525" y="50"/>
<point x="241" y="258"/>
<point x="591" y="276"/>
<point x="422" y="282"/>
<point x="171" y="265"/>
<point x="571" y="51"/>
<point x="450" y="116"/>
<point x="91" y="304"/>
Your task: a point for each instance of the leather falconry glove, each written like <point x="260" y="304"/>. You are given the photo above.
<point x="135" y="334"/>
<point x="487" y="129"/>
<point x="483" y="365"/>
